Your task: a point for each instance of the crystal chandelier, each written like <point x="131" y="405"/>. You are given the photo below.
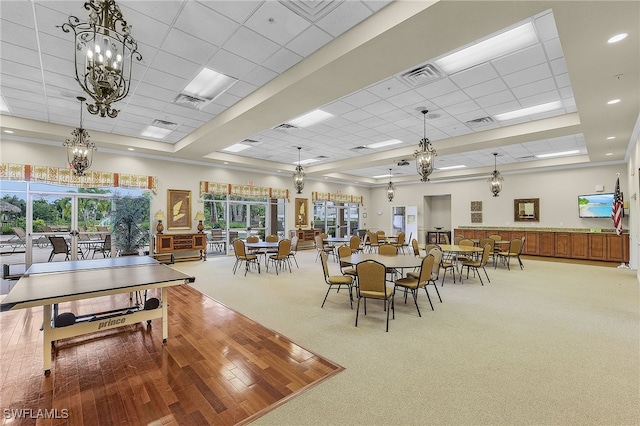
<point x="495" y="181"/>
<point x="391" y="190"/>
<point x="104" y="51"/>
<point x="426" y="155"/>
<point x="79" y="149"/>
<point x="299" y="175"/>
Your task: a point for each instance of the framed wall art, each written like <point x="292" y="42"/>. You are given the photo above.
<point x="178" y="209"/>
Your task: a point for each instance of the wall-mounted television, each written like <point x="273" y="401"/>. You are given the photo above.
<point x="595" y="205"/>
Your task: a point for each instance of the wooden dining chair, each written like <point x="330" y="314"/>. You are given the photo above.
<point x="372" y="285"/>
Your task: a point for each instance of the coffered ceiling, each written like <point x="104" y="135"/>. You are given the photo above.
<point x="374" y="65"/>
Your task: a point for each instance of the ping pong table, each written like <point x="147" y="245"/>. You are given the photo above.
<point x="48" y="284"/>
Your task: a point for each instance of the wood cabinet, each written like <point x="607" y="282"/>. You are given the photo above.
<point x="182" y="243"/>
<point x="604" y="246"/>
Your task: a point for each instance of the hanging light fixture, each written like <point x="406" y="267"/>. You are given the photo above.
<point x="426" y="155"/>
<point x="104" y="51"/>
<point x="299" y="175"/>
<point x="391" y="190"/>
<point x="495" y="181"/>
<point x="79" y="149"/>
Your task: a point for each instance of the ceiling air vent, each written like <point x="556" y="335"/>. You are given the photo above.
<point x="164" y="124"/>
<point x="422" y="75"/>
<point x="403" y="163"/>
<point x="479" y="122"/>
<point x="358" y="148"/>
<point x="250" y="141"/>
<point x="284" y="126"/>
<point x="312" y="10"/>
<point x="321" y="157"/>
<point x="527" y="157"/>
<point x="189" y="101"/>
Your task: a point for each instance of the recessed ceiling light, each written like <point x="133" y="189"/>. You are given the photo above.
<point x="537" y="109"/>
<point x="380" y="176"/>
<point x="225" y="162"/>
<point x="9" y="131"/>
<point x="155" y="132"/>
<point x="613" y="101"/>
<point x="617" y="38"/>
<point x="558" y="154"/>
<point x="461" y="166"/>
<point x="610" y="138"/>
<point x="307" y="161"/>
<point x="236" y="147"/>
<point x="609" y="153"/>
<point x="310" y="118"/>
<point x="131" y="149"/>
<point x="209" y="84"/>
<point x="384" y="143"/>
<point x="489" y="49"/>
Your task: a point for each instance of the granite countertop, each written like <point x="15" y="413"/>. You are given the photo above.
<point x="534" y="229"/>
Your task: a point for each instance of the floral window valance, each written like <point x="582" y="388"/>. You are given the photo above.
<point x="65" y="177"/>
<point x="217" y="188"/>
<point x="338" y="198"/>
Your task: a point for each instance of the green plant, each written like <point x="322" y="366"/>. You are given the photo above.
<point x="128" y="223"/>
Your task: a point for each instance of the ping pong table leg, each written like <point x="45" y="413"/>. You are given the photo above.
<point x="165" y="314"/>
<point x="46" y="344"/>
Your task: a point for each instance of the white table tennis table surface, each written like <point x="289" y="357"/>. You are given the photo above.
<point x="50" y="283"/>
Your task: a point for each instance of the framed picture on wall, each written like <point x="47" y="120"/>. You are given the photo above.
<point x="302" y="212"/>
<point x="178" y="209"/>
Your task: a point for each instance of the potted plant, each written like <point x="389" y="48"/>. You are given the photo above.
<point x="127" y="224"/>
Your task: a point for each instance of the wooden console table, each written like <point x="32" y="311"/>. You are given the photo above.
<point x="179" y="243"/>
<point x="305" y="237"/>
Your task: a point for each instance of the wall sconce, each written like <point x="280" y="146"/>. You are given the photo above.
<point x="159" y="216"/>
<point x="199" y="217"/>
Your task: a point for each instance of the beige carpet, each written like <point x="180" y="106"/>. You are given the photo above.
<point x="554" y="344"/>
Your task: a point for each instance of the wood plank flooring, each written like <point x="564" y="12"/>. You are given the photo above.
<point x="217" y="367"/>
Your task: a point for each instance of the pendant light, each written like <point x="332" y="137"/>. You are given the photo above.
<point x="426" y="154"/>
<point x="391" y="190"/>
<point x="80" y="148"/>
<point x="299" y="175"/>
<point x="495" y="181"/>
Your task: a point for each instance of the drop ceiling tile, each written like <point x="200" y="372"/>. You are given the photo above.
<point x="251" y="45"/>
<point x="437" y="88"/>
<point x="546" y="26"/>
<point x="230" y="64"/>
<point x="19" y="12"/>
<point x="187" y="46"/>
<point x="486" y="88"/>
<point x="260" y="76"/>
<point x="535" y="88"/>
<point x="12" y="52"/>
<point x="553" y="48"/>
<point x="495" y="99"/>
<point x="18" y="70"/>
<point x="145" y="27"/>
<point x="360" y="98"/>
<point x="242" y="89"/>
<point x="17" y="34"/>
<point x="276" y="22"/>
<point x="206" y="24"/>
<point x="176" y="66"/>
<point x="558" y="66"/>
<point x="450" y="99"/>
<point x="345" y="16"/>
<point x="379" y="107"/>
<point x="338" y="108"/>
<point x="162" y="11"/>
<point x="166" y="81"/>
<point x="473" y="76"/>
<point x="521" y="60"/>
<point x="155" y="92"/>
<point x="58" y="65"/>
<point x="49" y="19"/>
<point x="357" y="116"/>
<point x="310" y="40"/>
<point x="282" y="60"/>
<point x="528" y="75"/>
<point x="239" y="11"/>
<point x="30" y="113"/>
<point x="406" y="99"/>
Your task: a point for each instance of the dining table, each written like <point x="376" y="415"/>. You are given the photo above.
<point x="263" y="247"/>
<point x="389" y="261"/>
<point x="455" y="251"/>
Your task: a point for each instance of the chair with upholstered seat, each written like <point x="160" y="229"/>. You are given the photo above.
<point x="281" y="257"/>
<point x="492" y="242"/>
<point x="435" y="270"/>
<point x="242" y="256"/>
<point x="399" y="243"/>
<point x="477" y="264"/>
<point x="374" y="242"/>
<point x="407" y="242"/>
<point x="372" y="285"/>
<point x="514" y="250"/>
<point x="389" y="250"/>
<point x="412" y="284"/>
<point x="321" y="247"/>
<point x="354" y="244"/>
<point x="335" y="281"/>
<point x="294" y="249"/>
<point x="346" y="268"/>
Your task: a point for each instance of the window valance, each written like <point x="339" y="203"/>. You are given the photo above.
<point x="338" y="198"/>
<point x="218" y="188"/>
<point x="91" y="179"/>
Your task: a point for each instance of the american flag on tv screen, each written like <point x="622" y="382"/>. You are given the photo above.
<point x="616" y="211"/>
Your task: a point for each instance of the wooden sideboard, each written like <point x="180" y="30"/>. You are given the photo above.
<point x="305" y="237"/>
<point x="182" y="243"/>
<point x="604" y="246"/>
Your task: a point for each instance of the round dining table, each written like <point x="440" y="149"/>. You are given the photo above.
<point x="389" y="261"/>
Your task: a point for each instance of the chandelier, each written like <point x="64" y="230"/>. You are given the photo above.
<point x="299" y="175"/>
<point x="79" y="149"/>
<point x="391" y="190"/>
<point x="495" y="181"/>
<point x="104" y="50"/>
<point x="426" y="155"/>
